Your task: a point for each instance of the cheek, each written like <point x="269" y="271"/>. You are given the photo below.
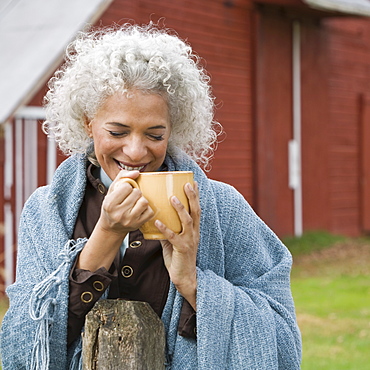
<point x="103" y="147"/>
<point x="162" y="149"/>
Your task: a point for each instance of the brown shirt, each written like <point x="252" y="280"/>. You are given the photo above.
<point x="140" y="275"/>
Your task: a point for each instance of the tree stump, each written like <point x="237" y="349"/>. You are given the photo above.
<point x="123" y="334"/>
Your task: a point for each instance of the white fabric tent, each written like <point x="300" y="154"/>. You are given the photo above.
<point x="33" y="37"/>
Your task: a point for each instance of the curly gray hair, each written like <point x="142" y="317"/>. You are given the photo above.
<point x="100" y="63"/>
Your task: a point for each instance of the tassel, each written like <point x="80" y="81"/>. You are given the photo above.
<point x="40" y="352"/>
<point x="76" y="362"/>
<point x="42" y="309"/>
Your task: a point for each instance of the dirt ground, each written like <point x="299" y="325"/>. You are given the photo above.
<point x="350" y="257"/>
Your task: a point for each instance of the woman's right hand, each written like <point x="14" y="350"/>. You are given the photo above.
<point x="124" y="209"/>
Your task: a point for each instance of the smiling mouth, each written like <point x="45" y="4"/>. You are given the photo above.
<point x="129" y="168"/>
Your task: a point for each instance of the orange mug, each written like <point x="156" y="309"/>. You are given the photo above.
<point x="158" y="188"/>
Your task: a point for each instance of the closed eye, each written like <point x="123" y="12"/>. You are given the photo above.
<point x="117" y="134"/>
<point x="156" y="137"/>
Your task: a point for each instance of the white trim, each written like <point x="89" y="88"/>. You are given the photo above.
<point x="31" y="112"/>
<point x="9" y="160"/>
<point x="8" y="245"/>
<point x="19" y="199"/>
<point x="294" y="170"/>
<point x="30" y="157"/>
<point x="8" y="214"/>
<point x="51" y="160"/>
<point x="295" y="146"/>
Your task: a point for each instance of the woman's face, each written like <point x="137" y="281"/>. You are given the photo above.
<point x="131" y="132"/>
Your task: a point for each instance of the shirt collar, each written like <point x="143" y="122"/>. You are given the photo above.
<point x="104" y="178"/>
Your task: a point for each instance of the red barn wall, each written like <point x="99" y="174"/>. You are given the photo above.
<point x="219" y="32"/>
<point x="349" y="80"/>
<point x="334" y="81"/>
<point x="273" y="119"/>
<point x="315" y="125"/>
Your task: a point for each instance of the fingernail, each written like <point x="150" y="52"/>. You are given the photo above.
<point x="175" y="200"/>
<point x="188" y="185"/>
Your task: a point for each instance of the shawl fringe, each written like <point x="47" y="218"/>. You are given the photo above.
<point x="42" y="310"/>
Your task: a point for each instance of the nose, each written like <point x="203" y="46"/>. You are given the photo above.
<point x="135" y="150"/>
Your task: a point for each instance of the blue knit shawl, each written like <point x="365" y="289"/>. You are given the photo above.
<point x="245" y="311"/>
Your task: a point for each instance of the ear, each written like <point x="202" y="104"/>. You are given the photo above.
<point x="87" y="126"/>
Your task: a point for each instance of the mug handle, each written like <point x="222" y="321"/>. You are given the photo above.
<point x="132" y="182"/>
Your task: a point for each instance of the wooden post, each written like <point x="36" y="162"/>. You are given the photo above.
<point x="123" y="334"/>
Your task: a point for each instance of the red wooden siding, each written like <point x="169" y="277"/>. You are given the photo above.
<point x="220" y="34"/>
<point x="274" y="201"/>
<point x="334" y="73"/>
<point x="364" y="183"/>
<point x="349" y="77"/>
<point x="315" y="126"/>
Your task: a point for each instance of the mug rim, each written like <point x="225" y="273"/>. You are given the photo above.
<point x="165" y="172"/>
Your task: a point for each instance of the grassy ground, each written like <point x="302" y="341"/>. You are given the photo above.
<point x="330" y="284"/>
<point x="3" y="308"/>
<point x="331" y="289"/>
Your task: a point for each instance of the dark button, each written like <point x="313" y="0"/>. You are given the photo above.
<point x="86" y="297"/>
<point x="98" y="285"/>
<point x="127" y="271"/>
<point x="135" y="244"/>
<point x="101" y="189"/>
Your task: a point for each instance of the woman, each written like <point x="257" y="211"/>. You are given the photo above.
<point x="129" y="100"/>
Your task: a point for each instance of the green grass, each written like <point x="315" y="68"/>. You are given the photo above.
<point x="311" y="241"/>
<point x="3" y="307"/>
<point x="331" y="289"/>
<point x="334" y="317"/>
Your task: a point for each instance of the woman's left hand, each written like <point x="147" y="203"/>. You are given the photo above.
<point x="180" y="250"/>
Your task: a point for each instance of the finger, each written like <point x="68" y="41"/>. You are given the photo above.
<point x="168" y="233"/>
<point x="123" y="192"/>
<point x="192" y="193"/>
<point x="142" y="210"/>
<point x="183" y="214"/>
<point x="132" y="212"/>
<point x="126" y="201"/>
<point x="136" y="205"/>
<point x="131" y="174"/>
<point x="121" y="187"/>
<point x="147" y="215"/>
<point x="123" y="174"/>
